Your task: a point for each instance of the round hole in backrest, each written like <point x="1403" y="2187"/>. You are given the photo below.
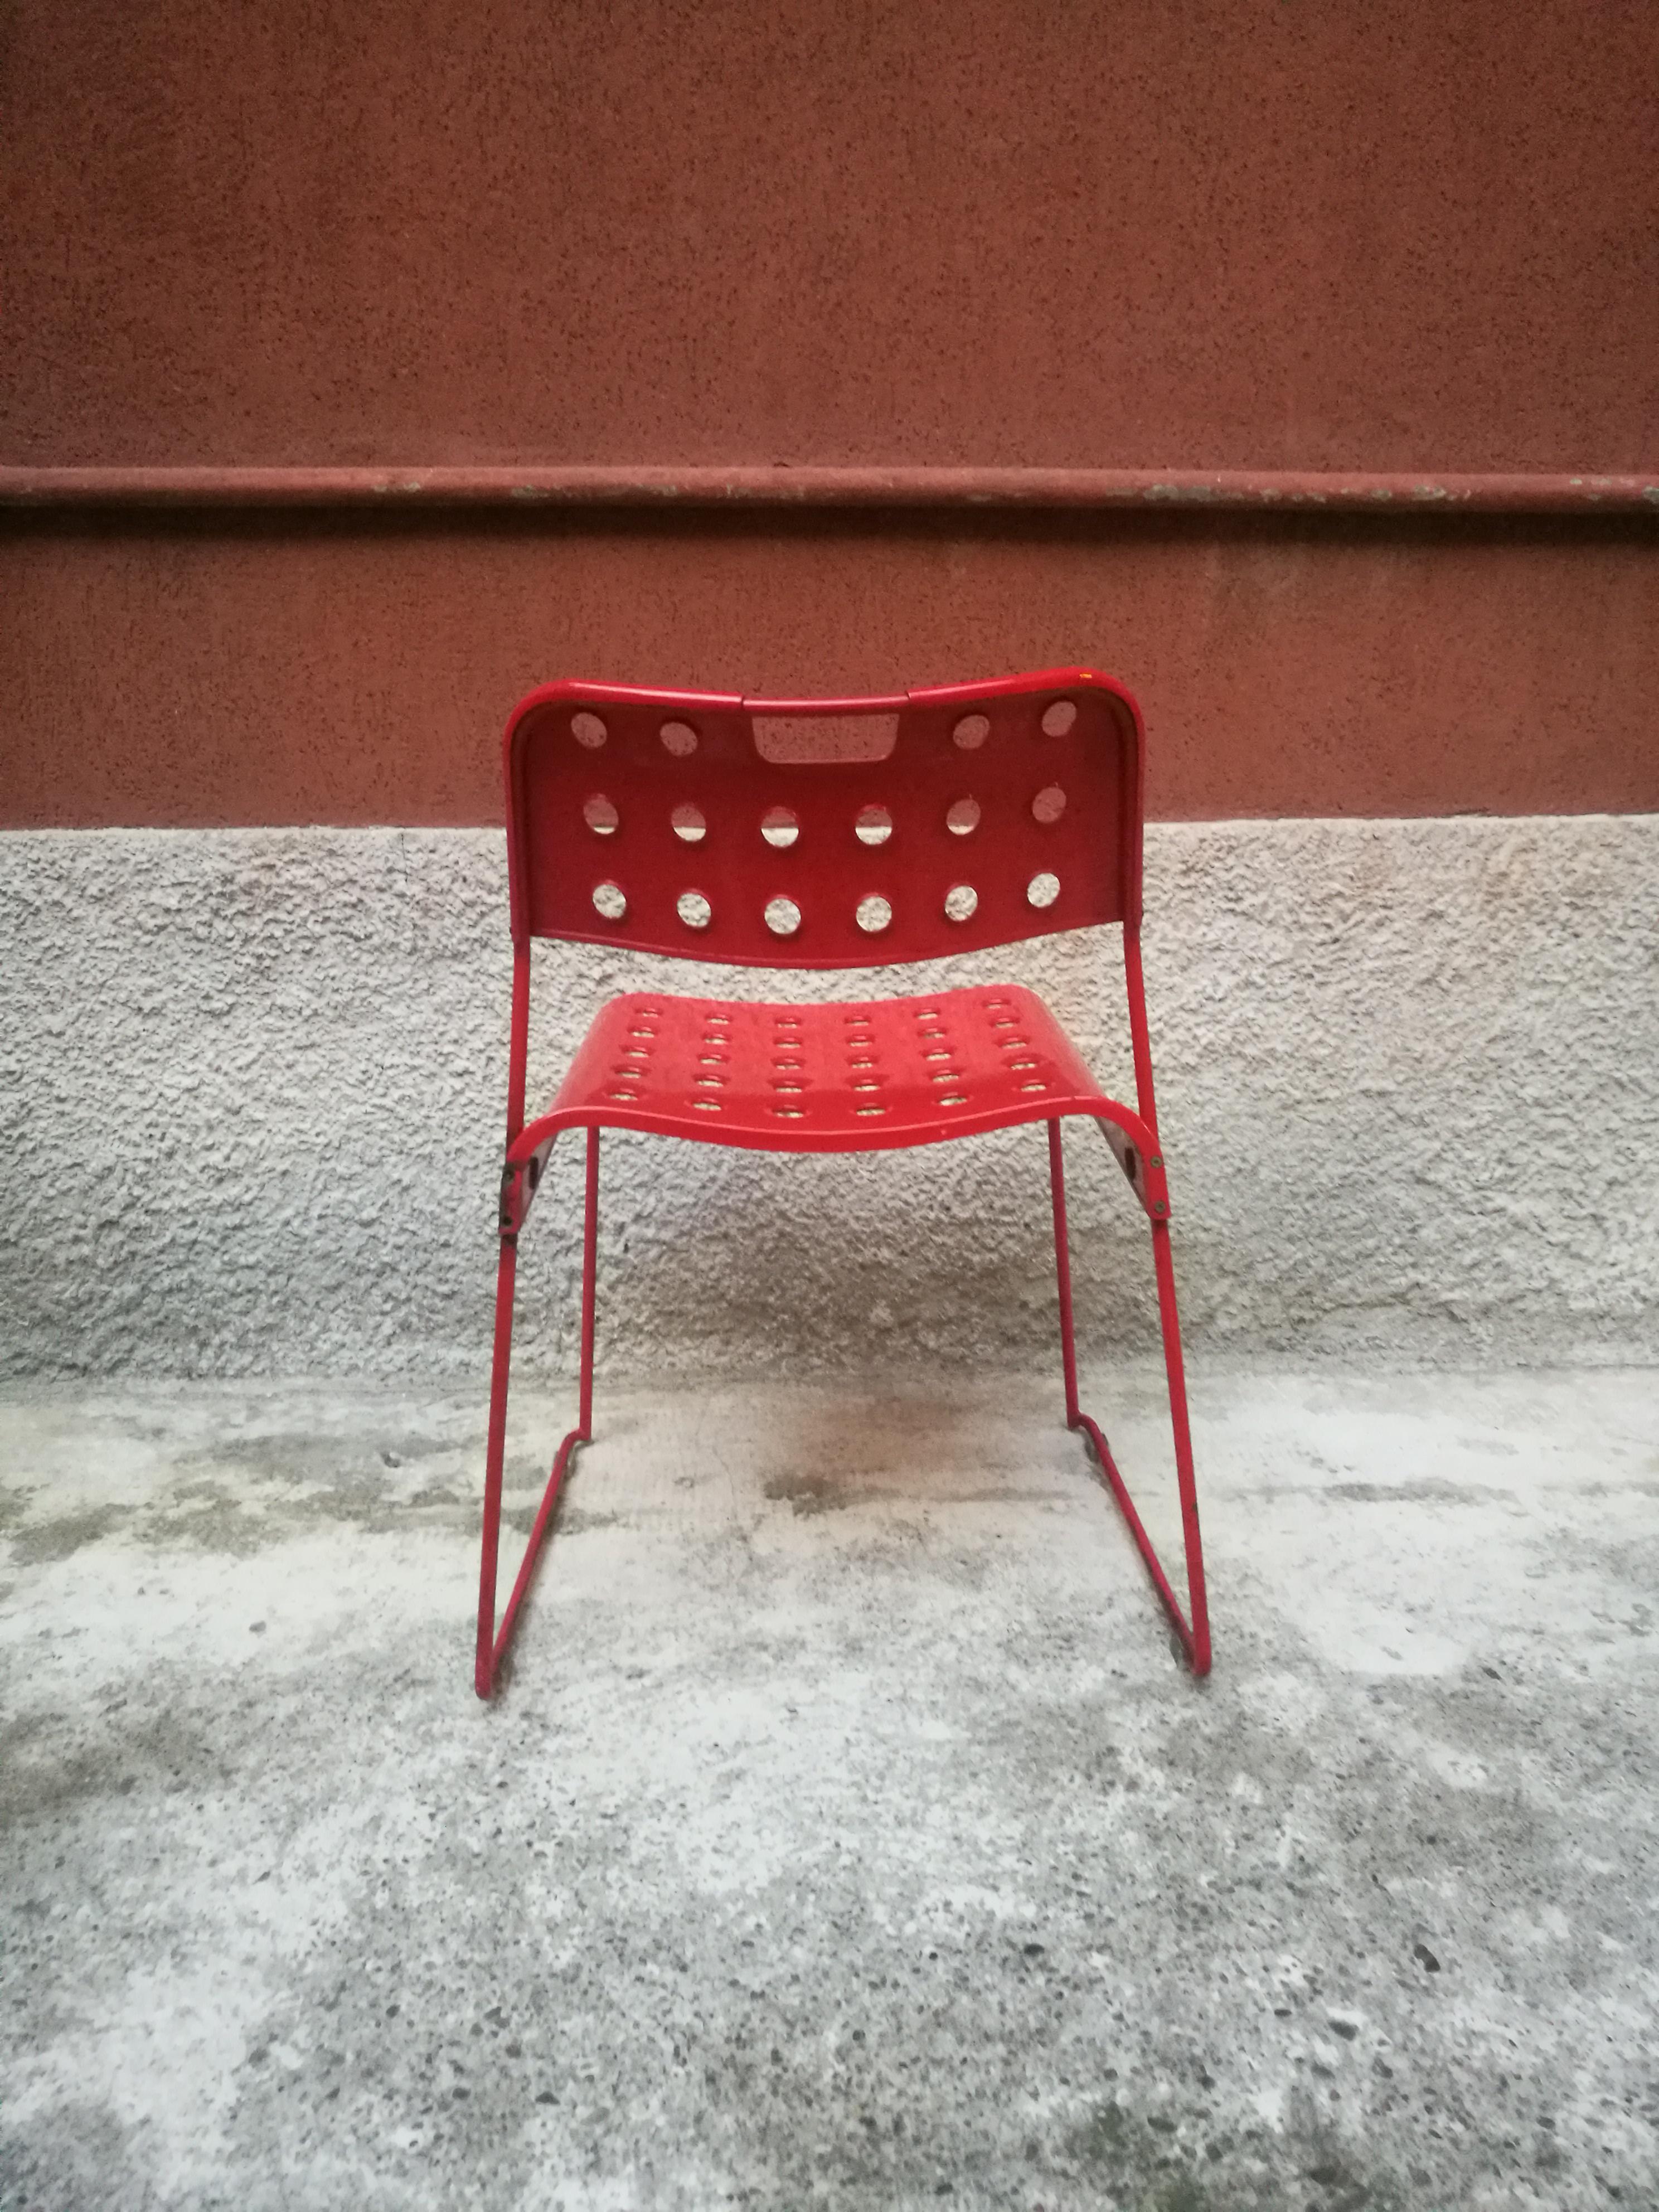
<point x="693" y="909"/>
<point x="1048" y="805"/>
<point x="588" y="730"/>
<point x="961" y="817"/>
<point x="687" y="822"/>
<point x="873" y="913"/>
<point x="609" y="901"/>
<point x="970" y="732"/>
<point x="1042" y="890"/>
<point x="961" y="902"/>
<point x="874" y="825"/>
<point x="782" y="917"/>
<point x="779" y="827"/>
<point x="600" y="814"/>
<point x="1057" y="717"/>
<point x="679" y="738"/>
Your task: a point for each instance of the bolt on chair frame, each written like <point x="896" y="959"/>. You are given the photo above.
<point x="609" y="843"/>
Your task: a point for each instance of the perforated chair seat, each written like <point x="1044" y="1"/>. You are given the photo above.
<point x="877" y="1075"/>
<point x="826" y="834"/>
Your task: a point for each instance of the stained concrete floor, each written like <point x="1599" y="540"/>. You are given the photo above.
<point x="847" y="1834"/>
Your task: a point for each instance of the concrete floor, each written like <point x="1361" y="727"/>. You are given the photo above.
<point x="848" y="1834"/>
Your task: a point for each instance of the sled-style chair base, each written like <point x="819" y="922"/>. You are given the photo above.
<point x="1013" y="809"/>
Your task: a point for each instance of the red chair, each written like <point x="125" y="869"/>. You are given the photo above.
<point x="827" y="833"/>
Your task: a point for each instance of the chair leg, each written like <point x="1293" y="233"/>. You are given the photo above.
<point x="1198" y="1640"/>
<point x="492" y="1644"/>
<point x="1195" y="1635"/>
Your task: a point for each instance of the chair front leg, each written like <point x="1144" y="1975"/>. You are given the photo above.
<point x="494" y="1455"/>
<point x="1198" y="1643"/>
<point x="492" y="1642"/>
<point x="1194" y="1634"/>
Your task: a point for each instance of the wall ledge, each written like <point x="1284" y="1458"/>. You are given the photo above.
<point x="1256" y="489"/>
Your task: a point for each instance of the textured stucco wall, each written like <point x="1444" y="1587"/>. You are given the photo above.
<point x="252" y="1084"/>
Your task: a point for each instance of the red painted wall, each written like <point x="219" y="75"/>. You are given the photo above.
<point x="1194" y="232"/>
<point x="292" y="670"/>
<point x="980" y="231"/>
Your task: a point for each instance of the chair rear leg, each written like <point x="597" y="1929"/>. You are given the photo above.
<point x="590" y="1272"/>
<point x="1063" y="1271"/>
<point x="1194" y="1636"/>
<point x="492" y="1644"/>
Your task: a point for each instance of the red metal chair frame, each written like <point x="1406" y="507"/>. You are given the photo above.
<point x="867" y="831"/>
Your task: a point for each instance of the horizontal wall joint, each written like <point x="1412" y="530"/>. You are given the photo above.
<point x="1263" y="490"/>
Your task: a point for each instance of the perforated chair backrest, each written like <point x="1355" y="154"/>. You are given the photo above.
<point x="827" y="833"/>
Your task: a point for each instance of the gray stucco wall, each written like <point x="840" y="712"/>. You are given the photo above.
<point x="253" y="1092"/>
